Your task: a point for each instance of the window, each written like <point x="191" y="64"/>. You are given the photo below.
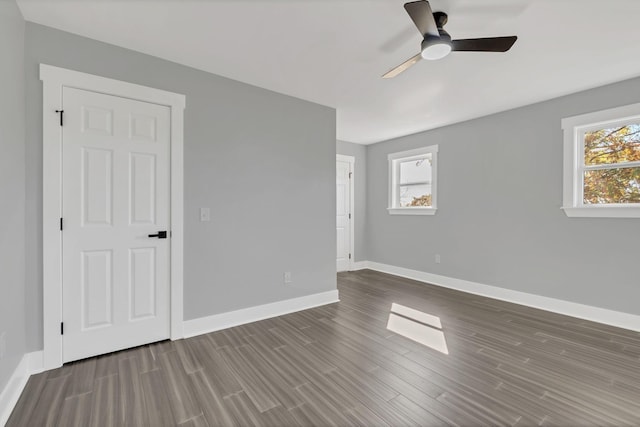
<point x="602" y="163"/>
<point x="412" y="182"/>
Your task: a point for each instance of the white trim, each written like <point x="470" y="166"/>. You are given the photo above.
<point x="204" y="325"/>
<point x="411" y="211"/>
<point x="573" y="163"/>
<point x="360" y="265"/>
<point x="343" y="158"/>
<point x="581" y="311"/>
<point x="36" y="362"/>
<point x="352" y="208"/>
<point x="13" y="389"/>
<point x="54" y="79"/>
<point x="602" y="212"/>
<point x="598" y="118"/>
<point x="415" y="152"/>
<point x="31" y="363"/>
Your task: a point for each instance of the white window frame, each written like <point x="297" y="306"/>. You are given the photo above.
<point x="574" y="129"/>
<point x="394" y="176"/>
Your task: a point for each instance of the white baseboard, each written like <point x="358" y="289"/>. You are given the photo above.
<point x="581" y="311"/>
<point x="360" y="265"/>
<point x="31" y="363"/>
<point x="204" y="325"/>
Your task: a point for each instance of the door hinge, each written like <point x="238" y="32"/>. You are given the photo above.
<point x="349" y="216"/>
<point x="61" y="226"/>
<point x="350" y="173"/>
<point x="61" y="328"/>
<point x="349" y="256"/>
<point x="61" y="112"/>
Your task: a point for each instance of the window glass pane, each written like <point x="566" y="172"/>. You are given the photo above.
<point x="416" y="171"/>
<point x="612" y="186"/>
<point x="619" y="144"/>
<point x="415" y="195"/>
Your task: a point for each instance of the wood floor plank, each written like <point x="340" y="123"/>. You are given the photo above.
<point x="132" y="401"/>
<point x="189" y="359"/>
<point x="243" y="409"/>
<point x="211" y="400"/>
<point x="325" y="403"/>
<point x="83" y="373"/>
<point x="183" y="401"/>
<point x="76" y="411"/>
<point x="105" y="404"/>
<point x="339" y="365"/>
<point x="216" y="368"/>
<point x="47" y="411"/>
<point x="107" y="365"/>
<point x="252" y="381"/>
<point x="308" y="415"/>
<point x="290" y="374"/>
<point x="199" y="421"/>
<point x="146" y="358"/>
<point x="420" y="415"/>
<point x="284" y="393"/>
<point x="279" y="416"/>
<point x="157" y="402"/>
<point x="362" y="416"/>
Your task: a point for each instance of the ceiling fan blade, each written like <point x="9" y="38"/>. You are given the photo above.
<point x="421" y="15"/>
<point x="402" y="67"/>
<point x="489" y="44"/>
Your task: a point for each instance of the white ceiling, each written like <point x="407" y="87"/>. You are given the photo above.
<point x="333" y="52"/>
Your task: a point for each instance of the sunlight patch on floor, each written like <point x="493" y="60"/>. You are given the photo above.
<point x="418" y="326"/>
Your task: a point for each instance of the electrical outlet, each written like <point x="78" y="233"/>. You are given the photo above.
<point x="205" y="214"/>
<point x="437" y="258"/>
<point x="3" y="344"/>
<point x="287" y="277"/>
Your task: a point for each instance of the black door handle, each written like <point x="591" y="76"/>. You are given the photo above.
<point x="160" y="235"/>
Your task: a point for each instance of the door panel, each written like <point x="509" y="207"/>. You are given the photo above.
<point x="343" y="211"/>
<point x="115" y="193"/>
<point x="142" y="269"/>
<point x="142" y="172"/>
<point x="96" y="192"/>
<point x="96" y="289"/>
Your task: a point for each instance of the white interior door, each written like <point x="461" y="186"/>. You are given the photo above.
<point x="115" y="164"/>
<point x="343" y="214"/>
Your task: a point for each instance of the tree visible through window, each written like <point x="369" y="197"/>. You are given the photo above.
<point x="412" y="181"/>
<point x="415" y="182"/>
<point x="602" y="163"/>
<point x="609" y="173"/>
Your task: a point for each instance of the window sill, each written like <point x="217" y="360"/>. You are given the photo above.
<point x="411" y="211"/>
<point x="602" y="212"/>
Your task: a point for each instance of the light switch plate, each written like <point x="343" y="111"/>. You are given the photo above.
<point x="205" y="214"/>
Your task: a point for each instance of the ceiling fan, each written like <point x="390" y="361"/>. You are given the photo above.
<point x="437" y="43"/>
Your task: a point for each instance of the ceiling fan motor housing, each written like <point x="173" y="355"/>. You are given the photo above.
<point x="434" y="47"/>
<point x="437" y="47"/>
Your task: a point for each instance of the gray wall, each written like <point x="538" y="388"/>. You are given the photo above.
<point x="12" y="188"/>
<point x="499" y="220"/>
<point x="359" y="152"/>
<point x="263" y="162"/>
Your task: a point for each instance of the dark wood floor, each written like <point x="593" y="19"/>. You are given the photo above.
<point x="340" y="365"/>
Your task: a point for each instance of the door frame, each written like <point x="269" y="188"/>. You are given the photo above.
<point x="352" y="206"/>
<point x="54" y="79"/>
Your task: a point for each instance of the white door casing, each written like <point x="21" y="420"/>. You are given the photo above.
<point x="344" y="212"/>
<point x="115" y="193"/>
<point x="94" y="157"/>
